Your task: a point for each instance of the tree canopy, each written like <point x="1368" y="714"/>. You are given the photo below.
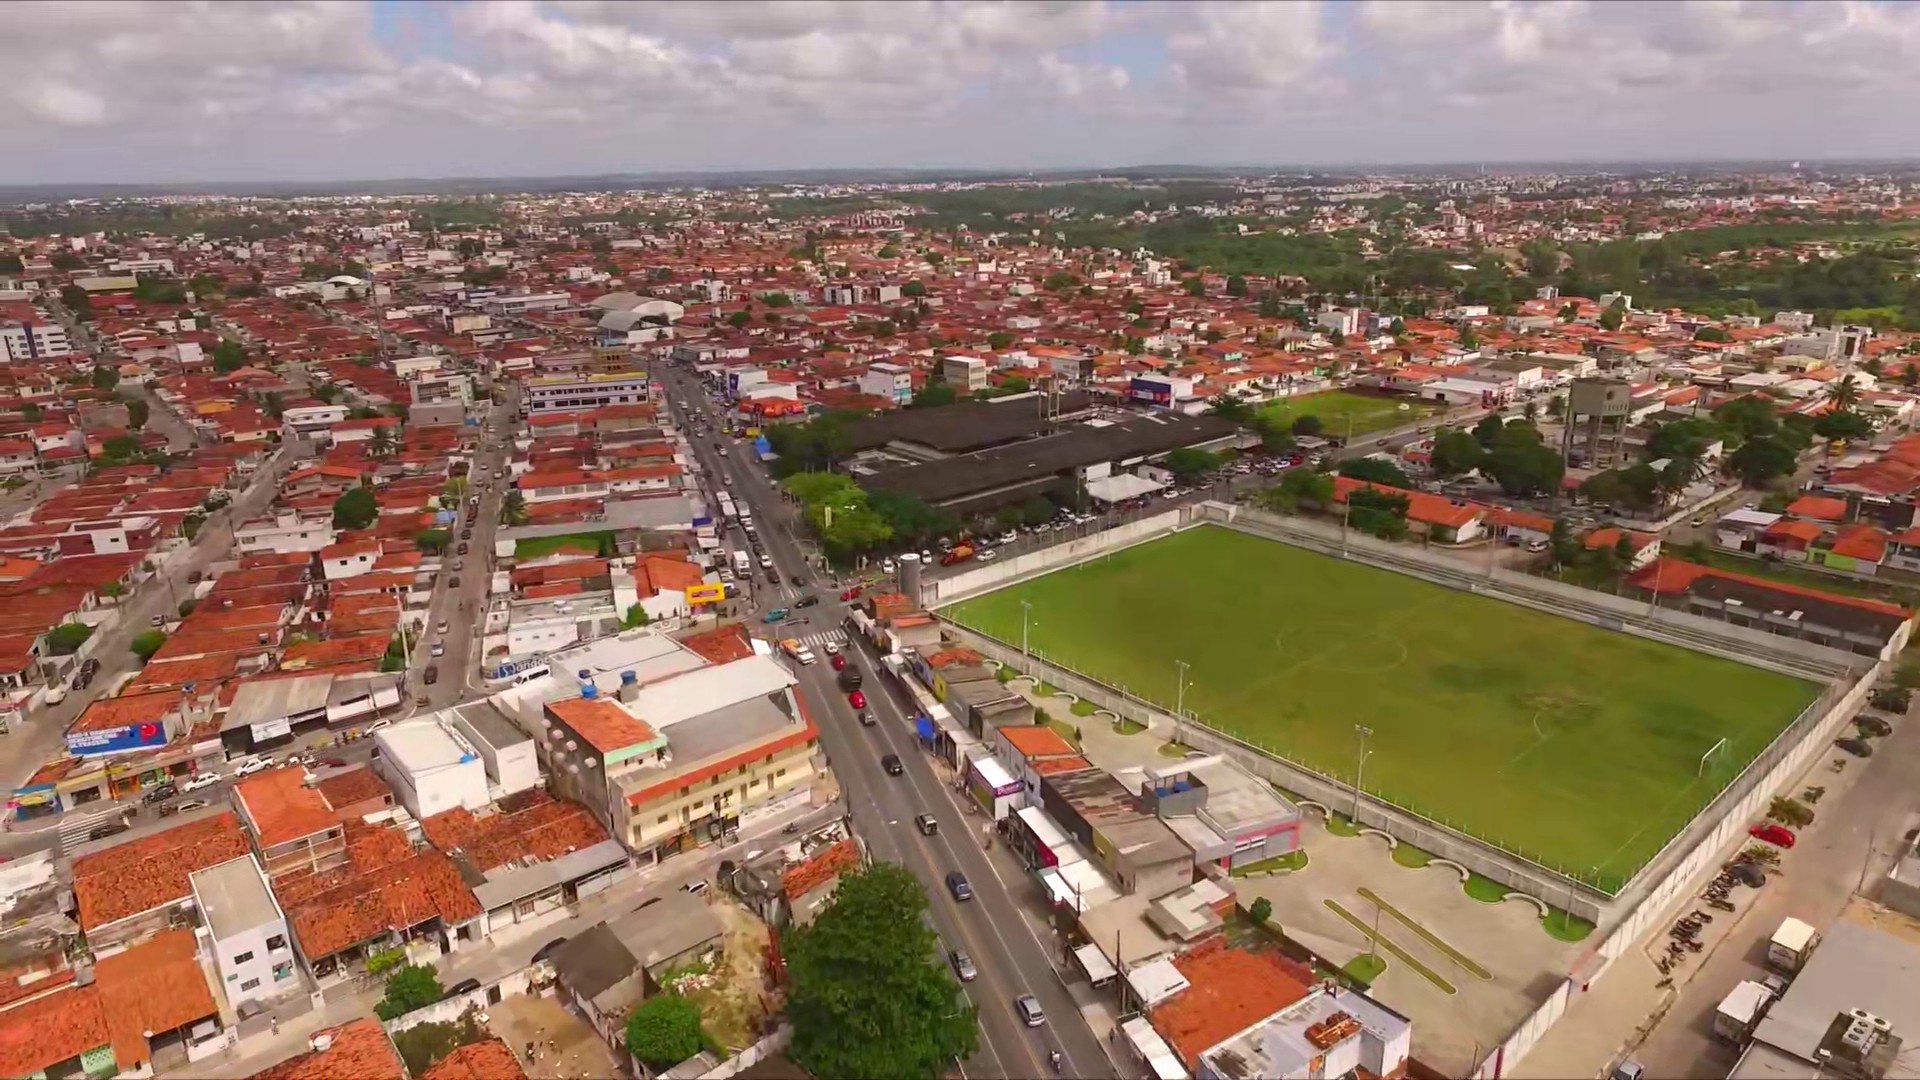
<point x="356" y="508"/>
<point x="866" y="996"/>
<point x="229" y="356"/>
<point x="1375" y="470"/>
<point x="664" y="1031"/>
<point x="1188" y="462"/>
<point x="146" y="643"/>
<point x="409" y="987"/>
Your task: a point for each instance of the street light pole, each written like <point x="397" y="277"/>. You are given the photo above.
<point x="1179" y="699"/>
<point x="1026" y="613"/>
<point x="1359" y="768"/>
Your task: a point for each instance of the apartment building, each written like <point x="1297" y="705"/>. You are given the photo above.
<point x="565" y="393"/>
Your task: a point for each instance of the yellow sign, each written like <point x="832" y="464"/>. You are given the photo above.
<point x="711" y="593"/>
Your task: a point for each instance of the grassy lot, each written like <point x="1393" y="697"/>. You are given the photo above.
<point x="535" y="547"/>
<point x="1333" y="407"/>
<point x="1574" y="746"/>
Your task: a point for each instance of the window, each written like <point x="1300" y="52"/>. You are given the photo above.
<point x="283" y="971"/>
<point x="662" y="821"/>
<point x="243" y="957"/>
<point x="276" y="943"/>
<point x="250" y="984"/>
<point x="780" y="773"/>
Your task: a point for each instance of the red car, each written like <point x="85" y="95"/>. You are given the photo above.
<point x="1778" y="835"/>
<point x="839" y="661"/>
<point x="851" y="594"/>
<point x="857" y="699"/>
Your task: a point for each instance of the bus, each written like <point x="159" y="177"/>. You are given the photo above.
<point x="727" y="511"/>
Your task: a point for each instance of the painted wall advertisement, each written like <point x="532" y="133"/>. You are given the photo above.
<point x="116" y="739"/>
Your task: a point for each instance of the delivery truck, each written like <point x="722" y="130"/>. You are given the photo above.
<point x="1791" y="945"/>
<point x="1740" y="1012"/>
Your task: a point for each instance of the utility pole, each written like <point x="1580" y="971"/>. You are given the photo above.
<point x="1179" y="699"/>
<point x="1359" y="768"/>
<point x="1026" y="613"/>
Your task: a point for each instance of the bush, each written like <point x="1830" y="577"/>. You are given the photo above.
<point x="1893" y="699"/>
<point x="423" y="1044"/>
<point x="1791" y="812"/>
<point x="410" y="987"/>
<point x="1261" y="911"/>
<point x="146" y="644"/>
<point x="664" y="1031"/>
<point x="65" y="639"/>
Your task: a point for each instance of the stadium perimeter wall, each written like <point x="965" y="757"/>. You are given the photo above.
<point x="1624" y="917"/>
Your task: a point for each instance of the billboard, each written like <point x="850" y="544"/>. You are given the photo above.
<point x="706" y="593"/>
<point x="113" y="740"/>
<point x="1154" y="390"/>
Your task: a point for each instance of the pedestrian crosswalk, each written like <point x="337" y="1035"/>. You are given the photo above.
<point x="74" y="828"/>
<point x="836" y="638"/>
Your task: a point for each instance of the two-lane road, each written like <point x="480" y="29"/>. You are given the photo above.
<point x="991" y="928"/>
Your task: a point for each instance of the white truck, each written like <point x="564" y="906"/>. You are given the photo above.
<point x="1740" y="1012"/>
<point x="742" y="563"/>
<point x="798" y="651"/>
<point x="1791" y="945"/>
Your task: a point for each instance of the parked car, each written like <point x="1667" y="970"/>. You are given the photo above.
<point x="159" y="793"/>
<point x="466" y="533"/>
<point x="850" y="678"/>
<point x="185" y="805"/>
<point x="464" y="986"/>
<point x="251" y="765"/>
<point x="963" y="965"/>
<point x="1029" y="1009"/>
<point x="1856" y="747"/>
<point x="891" y="763"/>
<point x="107" y="828"/>
<point x="157" y="620"/>
<point x="461" y="550"/>
<point x="1873" y="725"/>
<point x="1773" y="833"/>
<point x="433" y="674"/>
<point x="442" y="628"/>
<point x="988" y="555"/>
<point x="199" y="781"/>
<point x="857" y="699"/>
<point x="438" y="648"/>
<point x="377" y="725"/>
<point x="851" y="594"/>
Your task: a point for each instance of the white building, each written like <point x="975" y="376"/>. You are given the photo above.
<point x="566" y="393"/>
<point x="1342" y="321"/>
<point x="349" y="560"/>
<point x="431" y="766"/>
<point x="283" y="534"/>
<point x="246" y="932"/>
<point x="965" y="374"/>
<point x="307" y="421"/>
<point x="33" y="339"/>
<point x="512" y="763"/>
<point x="885" y="380"/>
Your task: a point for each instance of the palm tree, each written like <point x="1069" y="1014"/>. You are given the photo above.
<point x="1846" y="394"/>
<point x="513" y="509"/>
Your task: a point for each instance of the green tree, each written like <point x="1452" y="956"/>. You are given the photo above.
<point x="1760" y="460"/>
<point x="105" y="378"/>
<point x="1194" y="286"/>
<point x="67" y="261"/>
<point x="273" y="404"/>
<point x="409" y="987"/>
<point x="739" y="319"/>
<point x="1843" y="425"/>
<point x="1261" y="911"/>
<point x="120" y="447"/>
<point x="866" y="964"/>
<point x="453" y="491"/>
<point x="910" y="518"/>
<point x="889" y="251"/>
<point x="1297" y="487"/>
<point x="1745" y="418"/>
<point x="431" y="540"/>
<point x="1037" y="510"/>
<point x="1059" y="281"/>
<point x="1487" y="432"/>
<point x="423" y="1044"/>
<point x="915" y="289"/>
<point x="1308" y="425"/>
<point x="513" y="509"/>
<point x="1456" y="452"/>
<point x="146" y="643"/>
<point x="1376" y="471"/>
<point x="999" y="340"/>
<point x="1711" y="333"/>
<point x="64" y="639"/>
<point x="326" y="392"/>
<point x="636" y="617"/>
<point x="664" y="1031"/>
<point x="1522" y="468"/>
<point x="381" y="444"/>
<point x="1845" y="394"/>
<point x="1565" y="545"/>
<point x="11" y="264"/>
<point x="76" y="300"/>
<point x="1188" y="462"/>
<point x="1469" y="339"/>
<point x="1615" y="314"/>
<point x="1230" y="407"/>
<point x="229" y="356"/>
<point x="30" y="413"/>
<point x="932" y="395"/>
<point x="1236" y="285"/>
<point x="356" y="508"/>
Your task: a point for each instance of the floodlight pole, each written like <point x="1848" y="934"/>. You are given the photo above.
<point x="1179" y="699"/>
<point x="1359" y="768"/>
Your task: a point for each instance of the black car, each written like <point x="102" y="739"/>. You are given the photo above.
<point x="547" y="950"/>
<point x="891" y="763"/>
<point x="798" y="580"/>
<point x="464" y="986"/>
<point x="107" y="828"/>
<point x="158" y="793"/>
<point x="866" y="718"/>
<point x="773" y="577"/>
<point x="1873" y="725"/>
<point x="466" y="534"/>
<point x="1856" y="747"/>
<point x="461" y="550"/>
<point x="91" y="667"/>
<point x="957" y="885"/>
<point x="806" y="601"/>
<point x="849" y="679"/>
<point x="433" y="674"/>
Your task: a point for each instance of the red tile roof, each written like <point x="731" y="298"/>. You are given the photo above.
<point x="140" y="875"/>
<point x="357" y="1050"/>
<point x="358" y="907"/>
<point x="158" y="986"/>
<point x="1228" y="990"/>
<point x="1665" y="575"/>
<point x="489" y="1059"/>
<point x="540" y="827"/>
<point x="721" y="646"/>
<point x="604" y="723"/>
<point x="708" y="770"/>
<point x="48" y="1030"/>
<point x="824" y="866"/>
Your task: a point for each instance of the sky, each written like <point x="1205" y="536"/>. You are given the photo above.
<point x="109" y="91"/>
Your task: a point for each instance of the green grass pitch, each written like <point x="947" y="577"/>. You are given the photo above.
<point x="1575" y="746"/>
<point x="1369" y="414"/>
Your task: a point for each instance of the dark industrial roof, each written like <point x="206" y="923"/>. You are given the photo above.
<point x="964" y="426"/>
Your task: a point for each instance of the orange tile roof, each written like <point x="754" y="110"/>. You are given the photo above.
<point x="824" y="866"/>
<point x="105" y="714"/>
<point x="281" y="807"/>
<point x="724" y="645"/>
<point x="143" y="874"/>
<point x="1037" y="740"/>
<point x="489" y="1059"/>
<point x="157" y="985"/>
<point x="48" y="1030"/>
<point x="1824" y="508"/>
<point x="1228" y="990"/>
<point x="358" y="907"/>
<point x="602" y="722"/>
<point x="1665" y="575"/>
<point x="359" y="1050"/>
<point x="539" y="827"/>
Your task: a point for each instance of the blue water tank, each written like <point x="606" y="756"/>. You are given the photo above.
<point x="628" y="678"/>
<point x="588" y="690"/>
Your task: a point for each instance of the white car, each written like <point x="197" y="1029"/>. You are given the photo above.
<point x="830" y="648"/>
<point x="378" y="725"/>
<point x="442" y="628"/>
<point x="439" y="648"/>
<point x="988" y="555"/>
<point x="249" y="766"/>
<point x="886" y="566"/>
<point x="198" y="781"/>
<point x="1009" y="537"/>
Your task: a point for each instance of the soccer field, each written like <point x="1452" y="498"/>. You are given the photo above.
<point x="1333" y="407"/>
<point x="1575" y="746"/>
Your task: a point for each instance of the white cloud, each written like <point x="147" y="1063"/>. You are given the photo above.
<point x="133" y="89"/>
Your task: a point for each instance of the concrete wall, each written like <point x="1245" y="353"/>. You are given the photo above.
<point x="996" y="575"/>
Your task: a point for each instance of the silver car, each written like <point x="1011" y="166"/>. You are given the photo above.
<point x="963" y="965"/>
